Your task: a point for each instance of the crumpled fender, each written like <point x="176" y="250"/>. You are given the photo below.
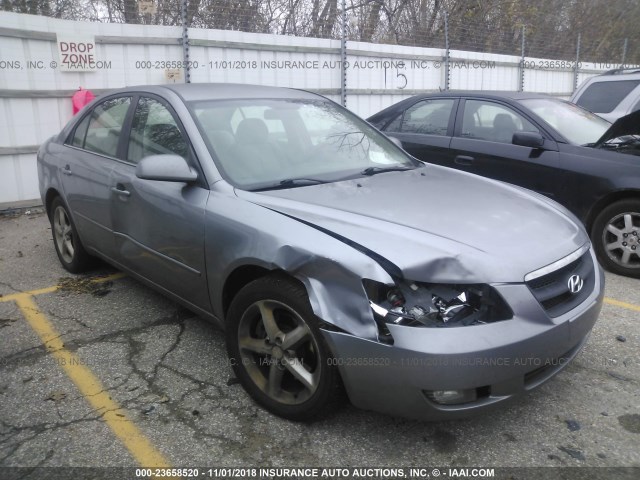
<point x="332" y="272"/>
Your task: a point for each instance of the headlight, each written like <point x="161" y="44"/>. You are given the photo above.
<point x="432" y="305"/>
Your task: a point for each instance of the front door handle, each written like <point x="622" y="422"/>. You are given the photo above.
<point x="120" y="190"/>
<point x="67" y="170"/>
<point x="464" y="160"/>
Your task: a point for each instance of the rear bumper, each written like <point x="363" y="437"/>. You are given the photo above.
<point x="501" y="361"/>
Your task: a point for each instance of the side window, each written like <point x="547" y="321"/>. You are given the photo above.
<point x="105" y="126"/>
<point x="430" y="117"/>
<point x="154" y="132"/>
<point x="81" y="132"/>
<point x="491" y="121"/>
<point x="394" y="126"/>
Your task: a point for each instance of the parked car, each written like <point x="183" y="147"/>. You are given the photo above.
<point x="612" y="95"/>
<point x="331" y="258"/>
<point x="541" y="143"/>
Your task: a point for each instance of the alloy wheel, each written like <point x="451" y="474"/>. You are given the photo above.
<point x="621" y="239"/>
<point x="279" y="352"/>
<point x="63" y="233"/>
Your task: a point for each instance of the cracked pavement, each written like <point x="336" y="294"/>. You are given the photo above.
<point x="168" y="369"/>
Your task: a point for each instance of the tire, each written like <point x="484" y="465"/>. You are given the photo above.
<point x="69" y="248"/>
<point x="616" y="237"/>
<point x="289" y="370"/>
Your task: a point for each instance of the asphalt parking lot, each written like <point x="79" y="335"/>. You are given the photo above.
<point x="99" y="370"/>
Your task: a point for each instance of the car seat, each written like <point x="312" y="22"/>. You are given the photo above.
<point x="503" y="128"/>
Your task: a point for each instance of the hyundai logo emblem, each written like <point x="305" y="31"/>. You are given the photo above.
<point x="575" y="283"/>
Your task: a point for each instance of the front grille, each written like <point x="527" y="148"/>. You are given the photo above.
<point x="552" y="289"/>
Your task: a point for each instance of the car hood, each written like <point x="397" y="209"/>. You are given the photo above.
<point x="436" y="224"/>
<point x="627" y="125"/>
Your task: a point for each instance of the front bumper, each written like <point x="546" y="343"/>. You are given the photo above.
<point x="501" y="360"/>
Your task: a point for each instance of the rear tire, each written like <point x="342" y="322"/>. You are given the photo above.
<point x="71" y="253"/>
<point x="278" y="352"/>
<point x="616" y="237"/>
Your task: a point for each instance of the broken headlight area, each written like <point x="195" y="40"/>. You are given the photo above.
<point x="433" y="305"/>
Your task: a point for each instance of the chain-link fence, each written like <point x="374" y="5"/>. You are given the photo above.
<point x="597" y="31"/>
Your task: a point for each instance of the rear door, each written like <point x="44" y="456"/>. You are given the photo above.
<point x="482" y="144"/>
<point x="92" y="151"/>
<point x="425" y="129"/>
<point x="159" y="226"/>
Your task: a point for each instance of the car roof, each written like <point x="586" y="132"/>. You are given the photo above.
<point x="618" y="74"/>
<point x="219" y="91"/>
<point x="486" y="93"/>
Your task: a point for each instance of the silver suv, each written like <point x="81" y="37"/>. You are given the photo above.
<point x="612" y="95"/>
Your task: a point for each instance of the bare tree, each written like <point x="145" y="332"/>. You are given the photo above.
<point x="551" y="27"/>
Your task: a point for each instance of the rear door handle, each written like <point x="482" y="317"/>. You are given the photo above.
<point x="67" y="170"/>
<point x="120" y="190"/>
<point x="464" y="160"/>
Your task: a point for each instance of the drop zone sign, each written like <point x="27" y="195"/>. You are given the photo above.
<point x="77" y="53"/>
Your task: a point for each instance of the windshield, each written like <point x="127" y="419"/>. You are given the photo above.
<point x="261" y="144"/>
<point x="576" y="124"/>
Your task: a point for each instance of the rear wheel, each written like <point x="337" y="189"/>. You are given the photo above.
<point x="277" y="350"/>
<point x="616" y="237"/>
<point x="71" y="253"/>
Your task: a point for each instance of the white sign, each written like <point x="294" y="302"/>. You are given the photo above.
<point x="146" y="7"/>
<point x="173" y="75"/>
<point x="77" y="53"/>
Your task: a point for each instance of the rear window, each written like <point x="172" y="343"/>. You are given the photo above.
<point x="604" y="97"/>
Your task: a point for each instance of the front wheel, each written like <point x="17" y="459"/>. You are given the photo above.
<point x="616" y="237"/>
<point x="277" y="350"/>
<point x="71" y="253"/>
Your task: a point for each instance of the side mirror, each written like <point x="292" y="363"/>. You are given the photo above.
<point x="528" y="139"/>
<point x="166" y="168"/>
<point x="396" y="141"/>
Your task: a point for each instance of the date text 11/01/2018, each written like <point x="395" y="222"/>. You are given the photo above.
<point x="387" y="473"/>
<point x="269" y="64"/>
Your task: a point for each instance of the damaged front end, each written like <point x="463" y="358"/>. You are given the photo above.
<point x="426" y="305"/>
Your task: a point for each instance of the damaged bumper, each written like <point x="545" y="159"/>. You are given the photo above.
<point x="485" y="364"/>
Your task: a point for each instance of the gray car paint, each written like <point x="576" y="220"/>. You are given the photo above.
<point x="432" y="223"/>
<point x="436" y="224"/>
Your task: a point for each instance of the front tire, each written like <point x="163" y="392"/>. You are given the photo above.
<point x="71" y="253"/>
<point x="277" y="350"/>
<point x="616" y="237"/>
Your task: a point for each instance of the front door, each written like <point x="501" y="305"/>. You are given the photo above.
<point x="483" y="145"/>
<point x="159" y="226"/>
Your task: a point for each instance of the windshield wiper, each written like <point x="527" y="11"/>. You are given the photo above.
<point x="375" y="170"/>
<point x="291" y="182"/>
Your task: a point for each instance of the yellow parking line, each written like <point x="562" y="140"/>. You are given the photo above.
<point x="90" y="387"/>
<point x="618" y="303"/>
<point x="54" y="288"/>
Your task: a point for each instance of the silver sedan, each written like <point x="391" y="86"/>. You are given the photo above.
<point x="333" y="260"/>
